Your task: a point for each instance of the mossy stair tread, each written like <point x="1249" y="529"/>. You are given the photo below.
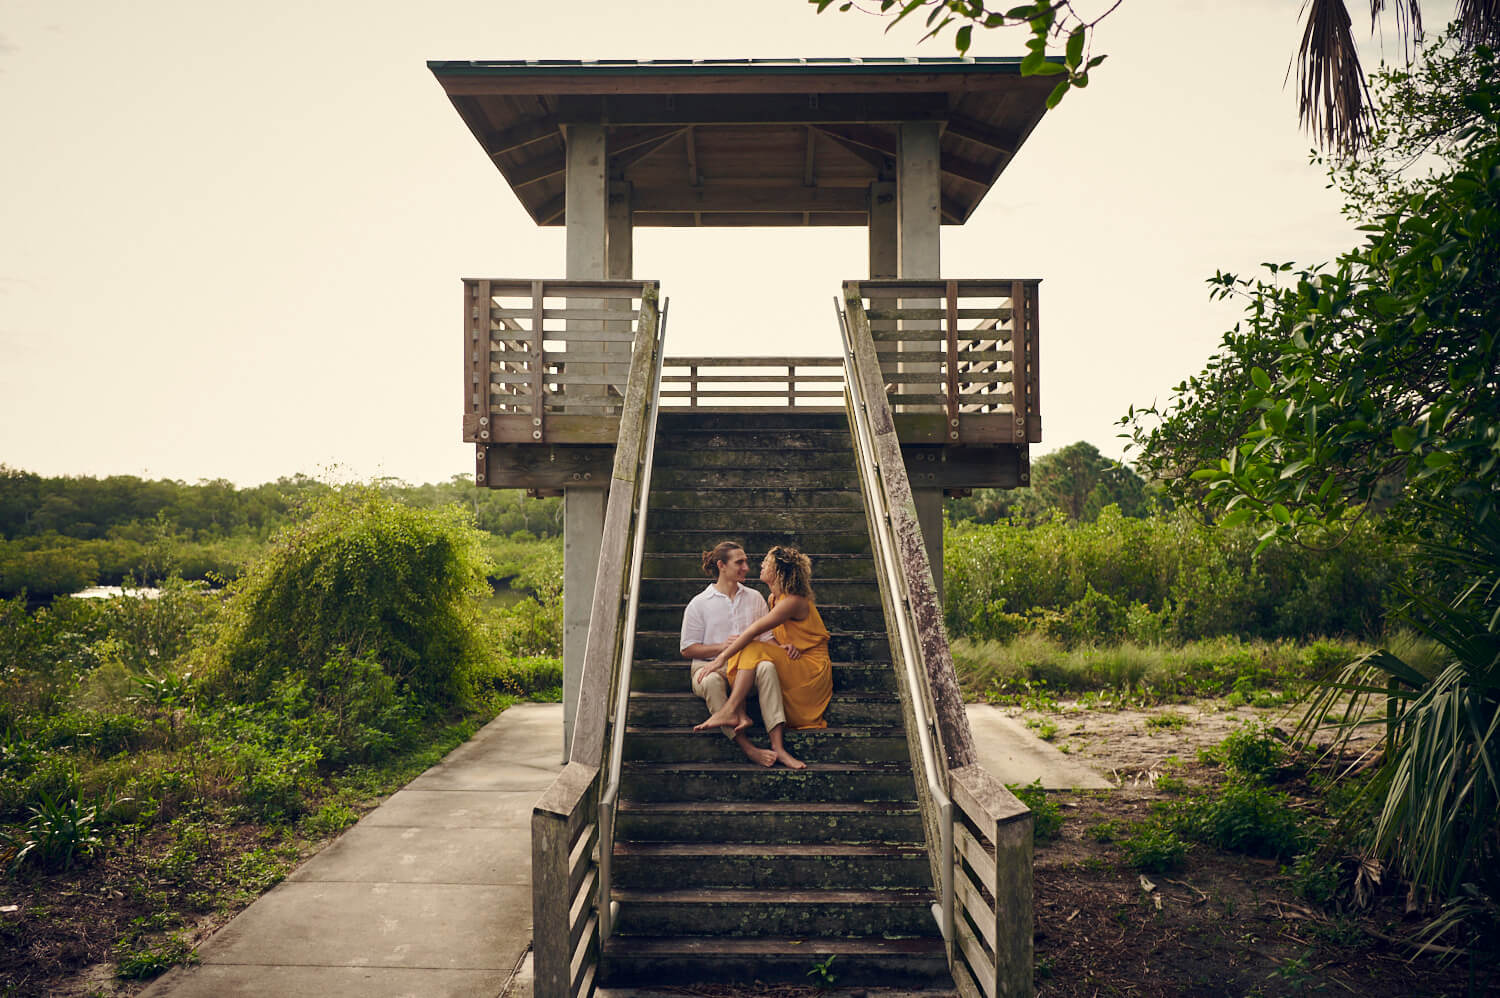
<point x="772" y="850"/>
<point x="792" y="947"/>
<point x="738" y="809"/>
<point x="750" y="896"/>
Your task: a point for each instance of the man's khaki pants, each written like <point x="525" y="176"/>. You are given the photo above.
<point x="715" y="689"/>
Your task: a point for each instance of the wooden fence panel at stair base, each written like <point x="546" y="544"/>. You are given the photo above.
<point x="753" y="383"/>
<point x="566" y="836"/>
<point x="991" y="948"/>
<point x="958" y="359"/>
<point x="546" y="361"/>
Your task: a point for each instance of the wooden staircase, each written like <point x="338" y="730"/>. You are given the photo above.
<point x="725" y="872"/>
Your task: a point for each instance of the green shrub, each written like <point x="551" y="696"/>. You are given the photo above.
<point x="1238" y="817"/>
<point x="153" y="959"/>
<point x="1046" y="814"/>
<point x="528" y="678"/>
<point x="1252" y="750"/>
<point x="1153" y="848"/>
<point x="367" y="576"/>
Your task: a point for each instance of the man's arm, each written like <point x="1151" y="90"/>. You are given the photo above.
<point x="693" y="627"/>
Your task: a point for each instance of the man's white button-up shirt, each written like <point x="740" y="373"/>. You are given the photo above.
<point x="712" y="617"/>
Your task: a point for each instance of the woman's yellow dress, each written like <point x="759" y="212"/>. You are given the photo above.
<point x="807" y="680"/>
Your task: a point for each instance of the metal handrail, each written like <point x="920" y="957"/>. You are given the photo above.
<point x="880" y="522"/>
<point x="610" y="796"/>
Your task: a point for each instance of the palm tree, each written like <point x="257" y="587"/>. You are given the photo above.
<point x="1332" y="101"/>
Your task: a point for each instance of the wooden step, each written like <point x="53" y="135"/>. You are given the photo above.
<point x="677" y="592"/>
<point x="682" y="744"/>
<point x="769" y="821"/>
<point x="684" y="709"/>
<point x="738" y="912"/>
<point x="754" y="478"/>
<point x="684" y="960"/>
<point x="757" y="540"/>
<point x="770" y="866"/>
<point x="837" y="617"/>
<point x="731" y="520"/>
<point x="699" y="421"/>
<point x="686" y="563"/>
<point x="705" y="455"/>
<point x="662" y="782"/>
<point x="658" y="675"/>
<point x="751" y="500"/>
<point x="753" y="437"/>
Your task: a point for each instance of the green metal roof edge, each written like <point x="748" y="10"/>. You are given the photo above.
<point x="726" y="67"/>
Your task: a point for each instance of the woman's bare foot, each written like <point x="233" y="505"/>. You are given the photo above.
<point x="760" y="756"/>
<point x="743" y="722"/>
<point x="788" y="760"/>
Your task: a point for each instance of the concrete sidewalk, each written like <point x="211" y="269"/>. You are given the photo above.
<point x="428" y="895"/>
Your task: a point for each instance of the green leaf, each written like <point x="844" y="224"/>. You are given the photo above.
<point x="961" y="39"/>
<point x="1049" y="69"/>
<point x="1237" y="517"/>
<point x="1057" y="94"/>
<point x="1280" y="514"/>
<point x="1261" y="378"/>
<point x="1074" y="54"/>
<point x="1034" y="59"/>
<point x="1404" y="437"/>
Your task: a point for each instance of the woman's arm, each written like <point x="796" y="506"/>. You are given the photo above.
<point x="786" y="608"/>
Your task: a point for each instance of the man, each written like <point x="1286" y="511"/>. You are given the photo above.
<point x="713" y="619"/>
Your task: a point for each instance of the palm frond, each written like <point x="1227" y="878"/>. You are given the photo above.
<point x="1332" y="99"/>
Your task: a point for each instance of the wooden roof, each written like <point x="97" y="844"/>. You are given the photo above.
<point x="747" y="142"/>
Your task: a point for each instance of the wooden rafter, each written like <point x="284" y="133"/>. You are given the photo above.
<point x="808" y="164"/>
<point x="976" y="131"/>
<point x="625" y="159"/>
<point x="880" y="161"/>
<point x="523" y="134"/>
<point x="694" y="180"/>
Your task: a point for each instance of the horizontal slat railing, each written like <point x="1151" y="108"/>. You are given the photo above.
<point x="541" y="355"/>
<point x="752" y="382"/>
<point x="964" y="352"/>
<point x="979" y="835"/>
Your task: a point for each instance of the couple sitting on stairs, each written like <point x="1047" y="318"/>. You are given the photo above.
<point x="742" y="646"/>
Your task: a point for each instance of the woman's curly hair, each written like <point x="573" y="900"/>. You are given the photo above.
<point x="794" y="569"/>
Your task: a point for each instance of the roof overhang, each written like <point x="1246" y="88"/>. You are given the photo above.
<point x="747" y="142"/>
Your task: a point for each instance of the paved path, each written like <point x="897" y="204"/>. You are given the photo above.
<point x="429" y="895"/>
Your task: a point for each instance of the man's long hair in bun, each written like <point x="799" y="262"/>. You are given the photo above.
<point x="794" y="569"/>
<point x="720" y="554"/>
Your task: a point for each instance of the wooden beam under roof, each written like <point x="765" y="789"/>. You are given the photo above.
<point x="741" y="200"/>
<point x="523" y="134"/>
<point x="880" y="161"/>
<point x="627" y="158"/>
<point x="757" y="109"/>
<point x="976" y="131"/>
<point x="535" y="172"/>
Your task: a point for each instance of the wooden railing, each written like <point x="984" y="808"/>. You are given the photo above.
<point x="753" y="382"/>
<point x="979" y="835"/>
<point x="548" y="361"/>
<point x="961" y="354"/>
<point x="571" y="827"/>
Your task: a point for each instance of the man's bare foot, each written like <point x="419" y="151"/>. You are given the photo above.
<point x="788" y="760"/>
<point x="760" y="756"/>
<point x="723" y="718"/>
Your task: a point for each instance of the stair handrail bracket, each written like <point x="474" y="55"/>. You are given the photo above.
<point x="572" y="826"/>
<point x="979" y="835"/>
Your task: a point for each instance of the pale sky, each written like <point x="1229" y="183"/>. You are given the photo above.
<point x="232" y="235"/>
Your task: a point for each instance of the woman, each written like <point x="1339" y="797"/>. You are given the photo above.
<point x="800" y="654"/>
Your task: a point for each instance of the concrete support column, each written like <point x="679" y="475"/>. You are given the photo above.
<point x="919" y="224"/>
<point x="583" y="508"/>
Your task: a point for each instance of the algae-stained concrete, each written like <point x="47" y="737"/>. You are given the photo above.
<point x="429" y="894"/>
<point x="1011" y="754"/>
